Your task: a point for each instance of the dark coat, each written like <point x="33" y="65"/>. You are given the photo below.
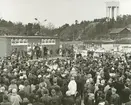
<point x="128" y="103"/>
<point x="115" y="99"/>
<point x="125" y="95"/>
<point x="55" y="100"/>
<point x="5" y="103"/>
<point x="38" y="103"/>
<point x="1" y="96"/>
<point x="69" y="100"/>
<point x="46" y="100"/>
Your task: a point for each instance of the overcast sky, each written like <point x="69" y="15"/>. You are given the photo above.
<point x="57" y="12"/>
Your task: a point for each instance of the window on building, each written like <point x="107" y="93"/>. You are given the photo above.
<point x="42" y="40"/>
<point x="53" y="41"/>
<point x="46" y="40"/>
<point x="24" y="41"/>
<point x="20" y="41"/>
<point x="16" y="41"/>
<point x="49" y="40"/>
<point x="12" y="41"/>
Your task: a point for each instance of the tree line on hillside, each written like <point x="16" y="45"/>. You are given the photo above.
<point x="30" y="29"/>
<point x="96" y="29"/>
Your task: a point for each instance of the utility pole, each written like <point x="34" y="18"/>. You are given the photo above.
<point x="40" y="23"/>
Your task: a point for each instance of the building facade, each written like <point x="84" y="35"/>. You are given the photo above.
<point x="26" y="43"/>
<point x="119" y="33"/>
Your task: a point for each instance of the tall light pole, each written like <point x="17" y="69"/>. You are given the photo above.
<point x="36" y="19"/>
<point x="39" y="24"/>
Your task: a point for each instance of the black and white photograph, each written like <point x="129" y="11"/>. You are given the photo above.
<point x="65" y="52"/>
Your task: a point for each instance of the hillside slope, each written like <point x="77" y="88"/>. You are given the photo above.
<point x="85" y="30"/>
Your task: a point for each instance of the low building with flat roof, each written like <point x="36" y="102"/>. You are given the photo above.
<point x="9" y="43"/>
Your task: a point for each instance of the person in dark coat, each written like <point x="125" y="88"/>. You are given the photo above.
<point x="1" y="94"/>
<point x="129" y="102"/>
<point x="5" y="100"/>
<point x="37" y="101"/>
<point x="108" y="95"/>
<point x="89" y="100"/>
<point x="106" y="74"/>
<point x="102" y="100"/>
<point x="38" y="51"/>
<point x="68" y="100"/>
<point x="119" y="86"/>
<point x="80" y="84"/>
<point x="55" y="99"/>
<point x="46" y="99"/>
<point x="78" y="99"/>
<point x="125" y="94"/>
<point x="98" y="94"/>
<point x="115" y="98"/>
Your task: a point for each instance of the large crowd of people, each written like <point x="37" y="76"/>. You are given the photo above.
<point x="91" y="80"/>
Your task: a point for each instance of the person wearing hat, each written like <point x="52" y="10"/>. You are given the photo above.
<point x="21" y="91"/>
<point x="37" y="101"/>
<point x="55" y="83"/>
<point x="2" y="90"/>
<point x="55" y="99"/>
<point x="5" y="100"/>
<point x="125" y="94"/>
<point x="25" y="101"/>
<point x="27" y="88"/>
<point x="13" y="85"/>
<point x="15" y="99"/>
<point x="68" y="99"/>
<point x="45" y="99"/>
<point x="42" y="82"/>
<point x="89" y="100"/>
<point x="103" y="101"/>
<point x="115" y="98"/>
<point x="6" y="80"/>
<point x="98" y="93"/>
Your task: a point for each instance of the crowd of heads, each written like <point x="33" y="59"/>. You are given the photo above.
<point x="95" y="80"/>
